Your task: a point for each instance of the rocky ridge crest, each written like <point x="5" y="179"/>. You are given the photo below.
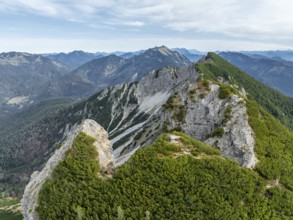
<point x="105" y="157"/>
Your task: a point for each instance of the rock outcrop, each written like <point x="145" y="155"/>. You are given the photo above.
<point x="105" y="157"/>
<point x="237" y="141"/>
<point x="203" y="113"/>
<point x="195" y="108"/>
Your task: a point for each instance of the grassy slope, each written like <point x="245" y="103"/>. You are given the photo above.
<point x="10" y="216"/>
<point x="7" y="209"/>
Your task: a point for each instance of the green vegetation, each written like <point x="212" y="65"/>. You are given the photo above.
<point x="160" y="181"/>
<point x="274" y="145"/>
<point x="173" y="104"/>
<point x="274" y="102"/>
<point x="203" y="86"/>
<point x="227" y="114"/>
<point x="197" y="147"/>
<point x="10" y="216"/>
<point x="218" y="132"/>
<point x="70" y="179"/>
<point x="226" y="91"/>
<point x="8" y="209"/>
<point x="274" y="142"/>
<point x="206" y="84"/>
<point x="192" y="93"/>
<point x="180" y="113"/>
<point x="202" y="95"/>
<point x="20" y="136"/>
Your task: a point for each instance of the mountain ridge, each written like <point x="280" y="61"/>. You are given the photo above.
<point x="97" y="74"/>
<point x="75" y="58"/>
<point x="20" y="74"/>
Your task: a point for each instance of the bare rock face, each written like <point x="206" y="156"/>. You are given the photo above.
<point x="103" y="146"/>
<point x="205" y="112"/>
<point x="179" y="99"/>
<point x="237" y="141"/>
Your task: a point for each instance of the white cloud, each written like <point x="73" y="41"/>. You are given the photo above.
<point x="134" y="23"/>
<point x="250" y="19"/>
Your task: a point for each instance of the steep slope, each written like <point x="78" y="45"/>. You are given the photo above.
<point x="74" y="59"/>
<point x="273" y="142"/>
<point x="20" y="74"/>
<point x="280" y="106"/>
<point x="277" y="74"/>
<point x="111" y="70"/>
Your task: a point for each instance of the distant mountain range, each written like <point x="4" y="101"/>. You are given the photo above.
<point x="111" y="70"/>
<point x="75" y="58"/>
<point x="192" y="55"/>
<point x="274" y="54"/>
<point x="28" y="78"/>
<point x="276" y="73"/>
<point x="21" y="73"/>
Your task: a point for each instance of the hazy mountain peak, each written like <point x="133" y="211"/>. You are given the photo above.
<point x="17" y="58"/>
<point x="112" y="56"/>
<point x="193" y="55"/>
<point x="163" y="50"/>
<point x="74" y="59"/>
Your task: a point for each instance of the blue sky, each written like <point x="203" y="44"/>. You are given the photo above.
<point x="41" y="26"/>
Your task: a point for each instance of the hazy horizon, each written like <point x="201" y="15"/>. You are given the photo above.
<point x="192" y="50"/>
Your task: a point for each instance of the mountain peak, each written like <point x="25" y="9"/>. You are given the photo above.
<point x="163" y="50"/>
<point x="18" y="58"/>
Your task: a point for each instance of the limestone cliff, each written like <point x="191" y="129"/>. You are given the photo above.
<point x="223" y="123"/>
<point x="237" y="141"/>
<point x="105" y="157"/>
